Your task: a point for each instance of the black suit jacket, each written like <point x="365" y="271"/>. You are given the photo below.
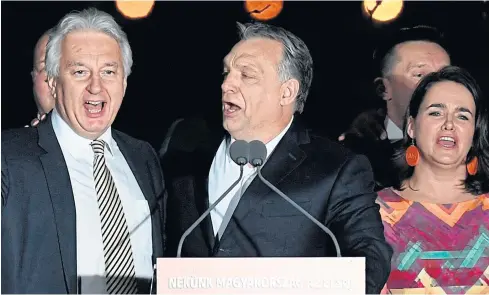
<point x="38" y="209"/>
<point x="332" y="184"/>
<point x="382" y="154"/>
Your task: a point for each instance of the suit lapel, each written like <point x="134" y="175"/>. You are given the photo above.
<point x="286" y="157"/>
<point x="202" y="203"/>
<point x="141" y="172"/>
<point x="138" y="166"/>
<point x="206" y="154"/>
<point x="62" y="199"/>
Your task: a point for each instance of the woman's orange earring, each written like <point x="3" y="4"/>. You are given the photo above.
<point x="472" y="166"/>
<point x="412" y="155"/>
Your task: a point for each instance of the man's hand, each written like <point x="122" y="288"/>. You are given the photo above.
<point x="38" y="119"/>
<point x="369" y="125"/>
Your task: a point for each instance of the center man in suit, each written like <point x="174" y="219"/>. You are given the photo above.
<point x="267" y="76"/>
<point x="82" y="203"/>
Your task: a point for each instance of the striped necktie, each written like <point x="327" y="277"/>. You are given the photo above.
<point x="119" y="264"/>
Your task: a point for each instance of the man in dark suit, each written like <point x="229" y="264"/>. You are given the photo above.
<point x="82" y="203"/>
<point x="267" y="79"/>
<point x="402" y="60"/>
<point x="42" y="96"/>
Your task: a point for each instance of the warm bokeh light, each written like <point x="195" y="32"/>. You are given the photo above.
<point x="264" y="10"/>
<point x="385" y="11"/>
<point x="135" y="8"/>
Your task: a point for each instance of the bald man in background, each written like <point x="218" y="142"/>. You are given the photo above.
<point x="403" y="58"/>
<point x="42" y="96"/>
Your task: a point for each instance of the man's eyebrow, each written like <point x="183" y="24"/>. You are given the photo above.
<point x="242" y="56"/>
<point x="416" y="65"/>
<point x="246" y="67"/>
<point x="250" y="67"/>
<point x="80" y="64"/>
<point x="75" y="64"/>
<point x="111" y="64"/>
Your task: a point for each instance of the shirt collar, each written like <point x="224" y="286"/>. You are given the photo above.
<point x="74" y="143"/>
<point x="394" y="133"/>
<point x="272" y="143"/>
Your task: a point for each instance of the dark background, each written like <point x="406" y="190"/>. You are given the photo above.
<point x="178" y="53"/>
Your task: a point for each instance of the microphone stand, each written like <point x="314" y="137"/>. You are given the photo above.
<point x="258" y="154"/>
<point x="204" y="215"/>
<point x="327" y="230"/>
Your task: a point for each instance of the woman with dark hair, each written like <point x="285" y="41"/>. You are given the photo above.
<point x="437" y="217"/>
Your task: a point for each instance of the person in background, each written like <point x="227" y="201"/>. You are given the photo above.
<point x="267" y="76"/>
<point x="42" y="95"/>
<point x="404" y="58"/>
<point x="82" y="203"/>
<point x="436" y="216"/>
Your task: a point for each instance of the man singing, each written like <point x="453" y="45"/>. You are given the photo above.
<point x="267" y="76"/>
<point x="82" y="203"/>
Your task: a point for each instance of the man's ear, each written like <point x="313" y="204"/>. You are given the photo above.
<point x="383" y="88"/>
<point x="289" y="91"/>
<point x="52" y="86"/>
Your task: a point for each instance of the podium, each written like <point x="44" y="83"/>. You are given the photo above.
<point x="261" y="275"/>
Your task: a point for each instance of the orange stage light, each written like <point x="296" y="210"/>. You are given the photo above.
<point x="135" y="9"/>
<point x="263" y="10"/>
<point x="383" y="11"/>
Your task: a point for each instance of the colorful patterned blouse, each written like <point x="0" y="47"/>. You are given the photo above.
<point x="438" y="249"/>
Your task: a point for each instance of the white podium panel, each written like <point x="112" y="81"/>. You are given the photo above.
<point x="257" y="276"/>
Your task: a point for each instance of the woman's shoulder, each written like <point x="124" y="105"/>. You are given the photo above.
<point x="388" y="195"/>
<point x="390" y="200"/>
<point x="485" y="201"/>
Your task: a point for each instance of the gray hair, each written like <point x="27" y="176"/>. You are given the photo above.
<point x="88" y="19"/>
<point x="296" y="61"/>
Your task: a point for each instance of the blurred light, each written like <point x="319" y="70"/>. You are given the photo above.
<point x="384" y="10"/>
<point x="263" y="10"/>
<point x="135" y="9"/>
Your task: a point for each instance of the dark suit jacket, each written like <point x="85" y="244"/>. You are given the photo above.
<point x="38" y="209"/>
<point x="332" y="184"/>
<point x="382" y="154"/>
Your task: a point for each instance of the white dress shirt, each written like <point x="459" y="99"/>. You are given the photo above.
<point x="394" y="133"/>
<point x="224" y="172"/>
<point x="79" y="158"/>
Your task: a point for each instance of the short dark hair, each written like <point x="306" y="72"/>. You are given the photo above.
<point x="384" y="53"/>
<point x="475" y="184"/>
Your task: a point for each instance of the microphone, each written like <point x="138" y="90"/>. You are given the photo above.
<point x="257" y="156"/>
<point x="239" y="151"/>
